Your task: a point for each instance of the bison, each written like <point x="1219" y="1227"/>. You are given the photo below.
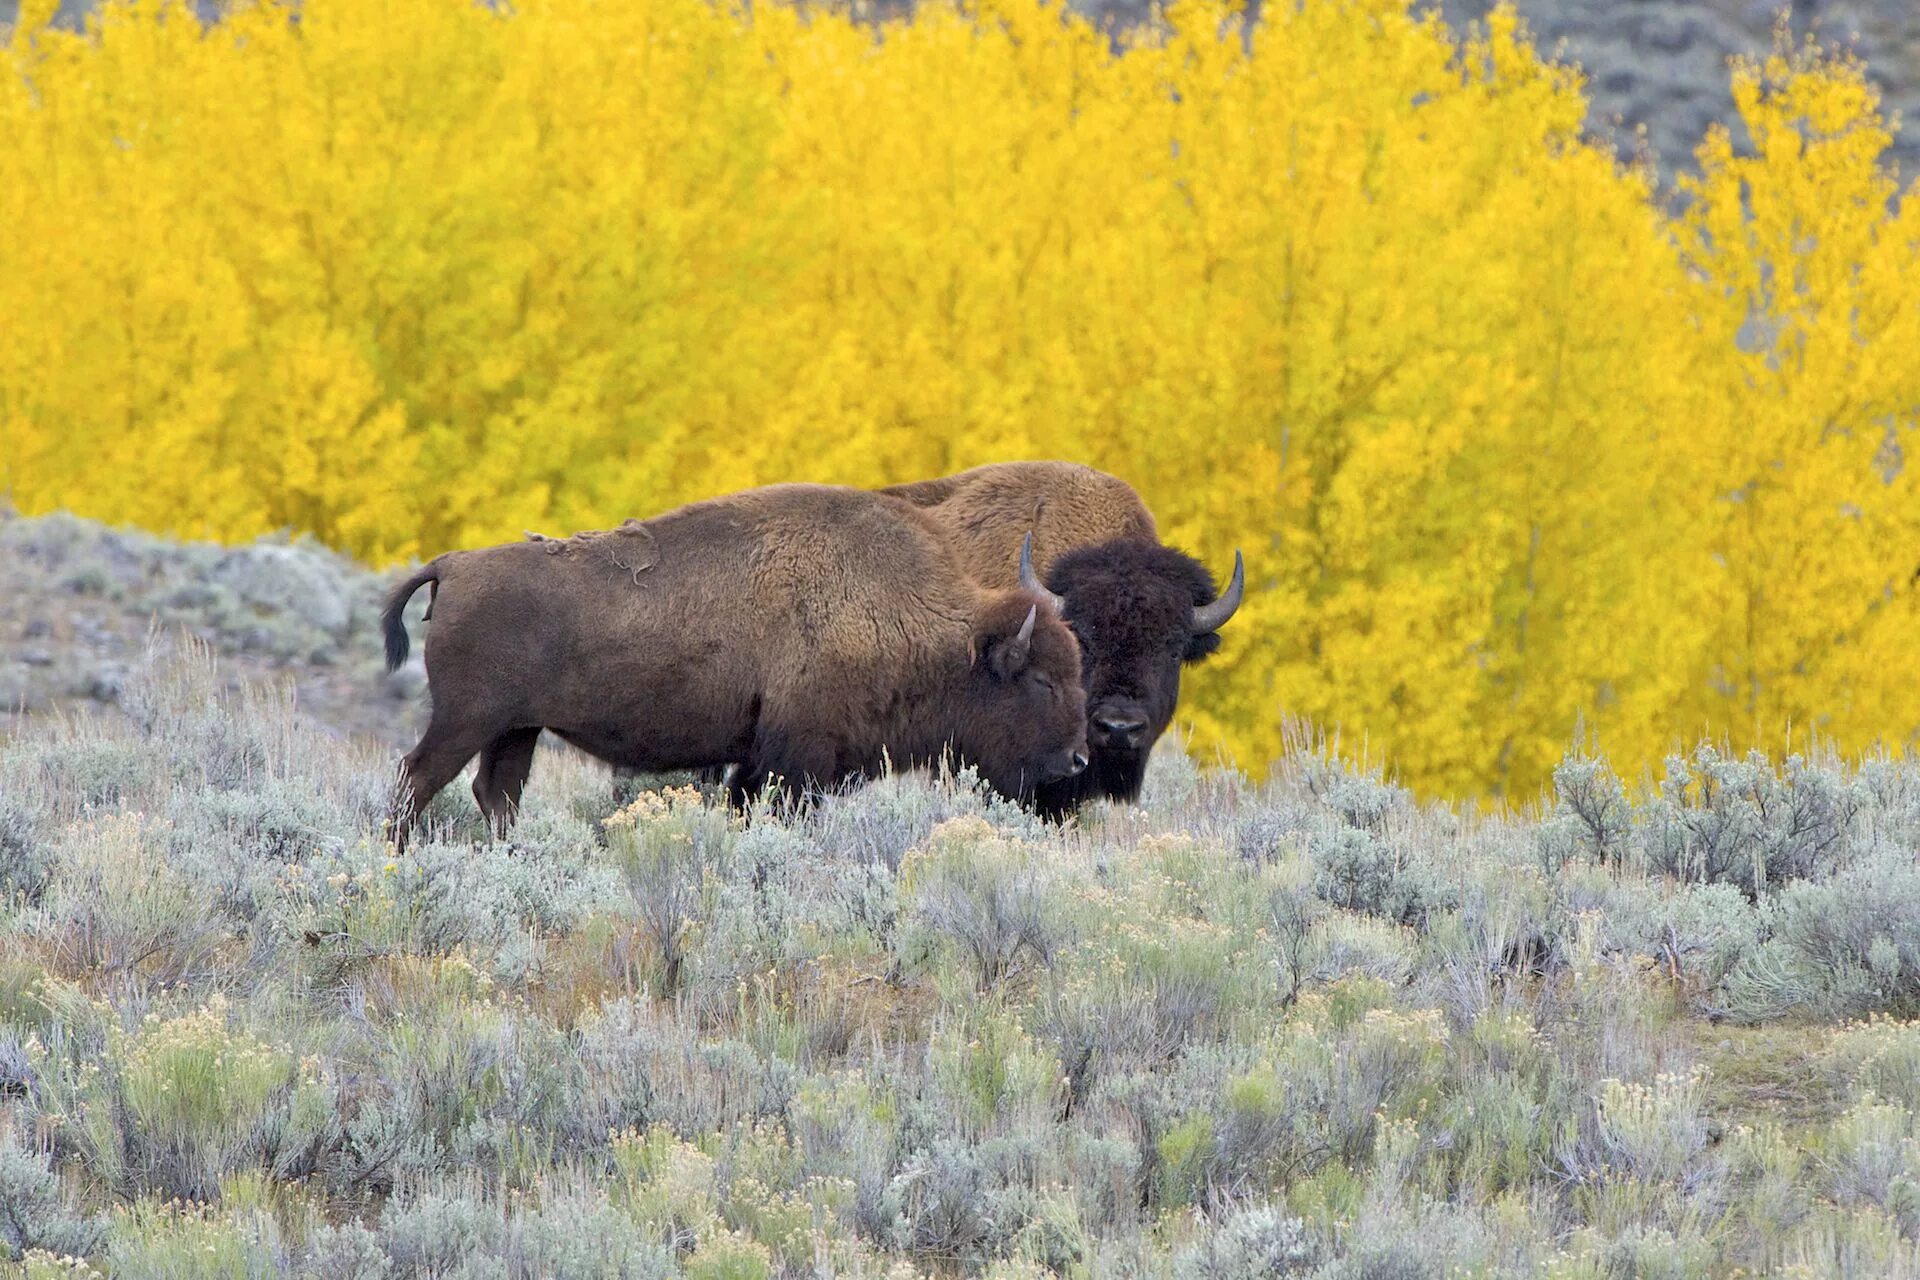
<point x="1140" y="609"/>
<point x="806" y="633"/>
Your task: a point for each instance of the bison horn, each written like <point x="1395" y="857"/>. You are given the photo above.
<point x="1209" y="618"/>
<point x="1031" y="581"/>
<point x="1026" y="628"/>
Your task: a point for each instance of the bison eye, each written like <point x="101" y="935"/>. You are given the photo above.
<point x="1041" y="680"/>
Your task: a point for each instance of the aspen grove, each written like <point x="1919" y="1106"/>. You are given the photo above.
<point x="1515" y="443"/>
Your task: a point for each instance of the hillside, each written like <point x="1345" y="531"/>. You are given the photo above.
<point x="1662" y="64"/>
<point x="81" y="604"/>
<point x="1305" y="1027"/>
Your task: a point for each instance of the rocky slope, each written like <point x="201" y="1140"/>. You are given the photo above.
<point x="81" y="604"/>
<point x="1662" y="64"/>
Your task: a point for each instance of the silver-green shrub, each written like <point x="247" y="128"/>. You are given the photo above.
<point x="1255" y="1242"/>
<point x="34" y="1213"/>
<point x="1305" y="1027"/>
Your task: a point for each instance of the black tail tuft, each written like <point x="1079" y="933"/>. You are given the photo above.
<point x="393" y="620"/>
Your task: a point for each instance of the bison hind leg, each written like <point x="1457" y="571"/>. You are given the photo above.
<point x="442" y="752"/>
<point x="504" y="765"/>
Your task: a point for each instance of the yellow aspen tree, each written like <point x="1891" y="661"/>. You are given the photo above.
<point x="1808" y="279"/>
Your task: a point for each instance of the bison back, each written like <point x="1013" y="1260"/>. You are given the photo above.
<point x="985" y="513"/>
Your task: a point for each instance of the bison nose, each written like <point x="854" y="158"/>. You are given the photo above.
<point x="1113" y="730"/>
<point x="1062" y="765"/>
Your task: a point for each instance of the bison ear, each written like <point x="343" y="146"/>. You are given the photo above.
<point x="1007" y="655"/>
<point x="1200" y="646"/>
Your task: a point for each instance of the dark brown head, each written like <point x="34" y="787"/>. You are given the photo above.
<point x="1023" y="721"/>
<point x="1140" y="611"/>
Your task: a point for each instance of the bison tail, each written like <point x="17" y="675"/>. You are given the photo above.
<point x="393" y="620"/>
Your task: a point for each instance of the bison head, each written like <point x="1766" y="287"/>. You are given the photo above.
<point x="1140" y="611"/>
<point x="1026" y="720"/>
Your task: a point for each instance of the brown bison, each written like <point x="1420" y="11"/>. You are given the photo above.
<point x="1139" y="609"/>
<point x="806" y="633"/>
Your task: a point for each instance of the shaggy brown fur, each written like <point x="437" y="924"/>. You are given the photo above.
<point x="809" y="633"/>
<point x="986" y="512"/>
<point x="1137" y="607"/>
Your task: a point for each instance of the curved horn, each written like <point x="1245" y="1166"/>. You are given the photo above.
<point x="1209" y="618"/>
<point x="1031" y="581"/>
<point x="1026" y="628"/>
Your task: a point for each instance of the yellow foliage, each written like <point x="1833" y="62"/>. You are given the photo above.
<point x="1813" y="303"/>
<point x="1508" y="445"/>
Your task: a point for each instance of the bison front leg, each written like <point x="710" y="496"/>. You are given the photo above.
<point x="782" y="795"/>
<point x="799" y="768"/>
<point x="744" y="786"/>
<point x="504" y="765"/>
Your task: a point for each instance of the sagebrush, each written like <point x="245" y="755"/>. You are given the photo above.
<point x="1301" y="1026"/>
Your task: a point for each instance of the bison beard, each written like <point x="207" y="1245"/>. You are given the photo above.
<point x="809" y="633"/>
